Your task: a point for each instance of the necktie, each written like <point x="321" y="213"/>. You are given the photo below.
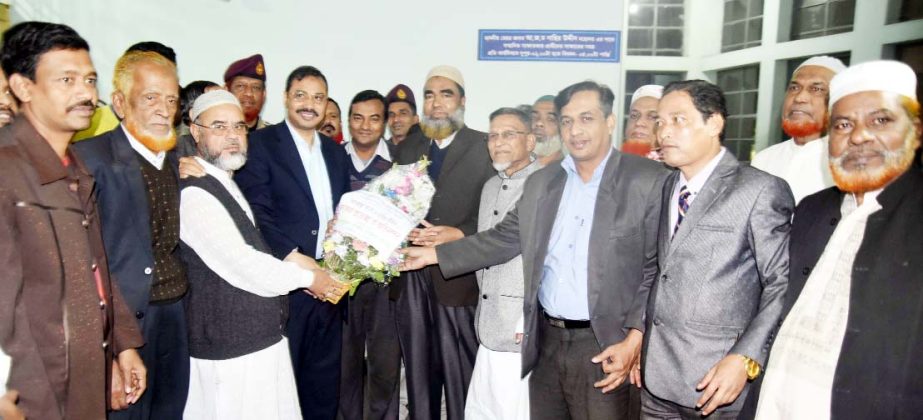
<point x="684" y="195"/>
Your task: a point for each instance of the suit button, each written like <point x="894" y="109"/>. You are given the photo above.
<point x="506" y="187"/>
<point x="657" y="322"/>
<point x="313" y="233"/>
<point x="664" y="277"/>
<point x="93" y="267"/>
<point x="833" y="221"/>
<point x="806" y="271"/>
<point x="496" y="212"/>
<point x="139" y="314"/>
<point x="484" y="296"/>
<point x="105" y="344"/>
<point x="85" y="223"/>
<point x="147" y="270"/>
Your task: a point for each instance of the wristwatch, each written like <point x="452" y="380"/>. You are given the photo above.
<point x="753" y="368"/>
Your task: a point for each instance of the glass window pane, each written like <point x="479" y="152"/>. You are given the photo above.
<point x="732" y="128"/>
<point x="735" y="10"/>
<point x="670" y="1"/>
<point x="670" y="39"/>
<point x="733" y="103"/>
<point x="748" y="103"/>
<point x="744" y="150"/>
<point x="751" y="77"/>
<point x="640" y="38"/>
<point x="842" y="12"/>
<point x="755" y="30"/>
<point x="747" y="127"/>
<point x="756" y="8"/>
<point x="810" y="19"/>
<point x="734" y="33"/>
<point x="729" y="80"/>
<point x="669" y="16"/>
<point x="641" y="16"/>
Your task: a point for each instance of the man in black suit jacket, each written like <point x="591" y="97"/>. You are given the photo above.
<point x="138" y="197"/>
<point x="435" y="315"/>
<point x="851" y="337"/>
<point x="293" y="180"/>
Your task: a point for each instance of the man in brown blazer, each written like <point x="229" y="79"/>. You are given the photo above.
<point x="62" y="320"/>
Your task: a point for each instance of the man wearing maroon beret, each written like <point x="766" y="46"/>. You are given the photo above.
<point x="402" y="114"/>
<point x="246" y="79"/>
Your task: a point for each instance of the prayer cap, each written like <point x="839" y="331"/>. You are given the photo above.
<point x="448" y="72"/>
<point x="881" y="75"/>
<point x="653" y="91"/>
<point x="825" y="61"/>
<point x="212" y="99"/>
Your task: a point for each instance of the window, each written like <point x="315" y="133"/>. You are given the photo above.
<point x="904" y="10"/>
<point x="636" y="79"/>
<point x="655" y="27"/>
<point x="911" y="53"/>
<point x="813" y="18"/>
<point x="740" y="91"/>
<point x="743" y="24"/>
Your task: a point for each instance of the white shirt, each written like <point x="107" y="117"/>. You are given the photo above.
<point x="207" y="227"/>
<point x="799" y="378"/>
<point x="316" y="169"/>
<point x="442" y="144"/>
<point x="694" y="185"/>
<point x="381" y="150"/>
<point x="155" y="159"/>
<point x="805" y="168"/>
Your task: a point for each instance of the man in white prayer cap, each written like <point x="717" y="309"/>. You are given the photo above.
<point x="640" y="138"/>
<point x="237" y="304"/>
<point x="851" y="338"/>
<point x="802" y="160"/>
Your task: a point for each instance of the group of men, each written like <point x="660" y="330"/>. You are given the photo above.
<point x="554" y="277"/>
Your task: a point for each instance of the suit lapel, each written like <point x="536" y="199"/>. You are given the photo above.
<point x="457" y="149"/>
<point x="663" y="242"/>
<point x="546" y="211"/>
<point x="291" y="159"/>
<point x="126" y="166"/>
<point x="714" y="187"/>
<point x="603" y="216"/>
<point x="333" y="166"/>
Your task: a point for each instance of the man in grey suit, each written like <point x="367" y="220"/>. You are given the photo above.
<point x="723" y="256"/>
<point x="587" y="232"/>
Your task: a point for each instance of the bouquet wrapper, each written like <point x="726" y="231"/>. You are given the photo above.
<point x="372" y="224"/>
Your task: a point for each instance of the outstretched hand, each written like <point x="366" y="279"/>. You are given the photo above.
<point x="416" y="258"/>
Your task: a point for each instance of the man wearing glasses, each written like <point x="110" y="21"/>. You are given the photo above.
<point x="246" y="79"/>
<point x="293" y="180"/>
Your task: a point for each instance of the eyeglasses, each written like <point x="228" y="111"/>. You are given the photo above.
<point x="222" y="129"/>
<point x="302" y="96"/>
<point x="506" y="135"/>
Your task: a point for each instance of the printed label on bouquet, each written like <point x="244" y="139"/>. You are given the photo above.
<point x="373" y="219"/>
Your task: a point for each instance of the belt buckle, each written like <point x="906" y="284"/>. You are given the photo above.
<point x="558" y="323"/>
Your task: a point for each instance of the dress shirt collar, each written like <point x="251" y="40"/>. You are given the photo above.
<point x="380" y="150"/>
<point x="313" y="147"/>
<point x="155" y="159"/>
<point x="213" y="170"/>
<point x="446" y="141"/>
<point x="571" y="167"/>
<point x="525" y="171"/>
<point x="698" y="181"/>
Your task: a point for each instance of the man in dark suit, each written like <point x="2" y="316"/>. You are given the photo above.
<point x="587" y="232"/>
<point x="138" y="196"/>
<point x="293" y="180"/>
<point x="723" y="264"/>
<point x="850" y="341"/>
<point x="435" y="314"/>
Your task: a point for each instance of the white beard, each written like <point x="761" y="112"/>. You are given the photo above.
<point x="548" y="146"/>
<point x="230" y="163"/>
<point x="501" y="166"/>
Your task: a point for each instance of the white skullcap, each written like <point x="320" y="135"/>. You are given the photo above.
<point x="825" y="61"/>
<point x="211" y="99"/>
<point x="653" y="91"/>
<point x="882" y="75"/>
<point x="448" y="72"/>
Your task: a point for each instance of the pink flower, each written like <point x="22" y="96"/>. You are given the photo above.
<point x="359" y="245"/>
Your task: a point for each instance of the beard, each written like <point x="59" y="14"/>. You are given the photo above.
<point x="153" y="143"/>
<point x="635" y="147"/>
<point x="226" y="162"/>
<point x="896" y="162"/>
<point x="501" y="166"/>
<point x="799" y="129"/>
<point x="438" y="129"/>
<point x="548" y="146"/>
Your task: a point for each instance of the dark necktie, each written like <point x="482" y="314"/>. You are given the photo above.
<point x="684" y="195"/>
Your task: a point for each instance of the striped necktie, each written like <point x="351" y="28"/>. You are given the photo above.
<point x="684" y="195"/>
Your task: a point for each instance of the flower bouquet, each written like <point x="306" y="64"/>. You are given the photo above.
<point x="372" y="224"/>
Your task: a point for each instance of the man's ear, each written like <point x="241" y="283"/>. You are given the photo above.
<point x="715" y="125"/>
<point x="530" y="142"/>
<point x="611" y="123"/>
<point x="21" y="87"/>
<point x="463" y="100"/>
<point x="119" y="104"/>
<point x="416" y="119"/>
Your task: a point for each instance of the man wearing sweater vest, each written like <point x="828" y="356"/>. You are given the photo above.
<point x="369" y="326"/>
<point x="237" y="303"/>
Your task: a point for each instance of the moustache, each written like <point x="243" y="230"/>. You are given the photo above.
<point x="85" y="104"/>
<point x="300" y="110"/>
<point x="328" y="127"/>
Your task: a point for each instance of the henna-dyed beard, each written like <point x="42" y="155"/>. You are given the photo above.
<point x="800" y="129"/>
<point x="153" y="143"/>
<point x="896" y="162"/>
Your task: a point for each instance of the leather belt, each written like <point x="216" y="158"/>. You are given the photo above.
<point x="567" y="324"/>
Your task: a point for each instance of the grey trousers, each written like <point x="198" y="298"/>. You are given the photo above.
<point x="561" y="385"/>
<point x="653" y="408"/>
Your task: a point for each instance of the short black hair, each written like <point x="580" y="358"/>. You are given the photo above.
<point x="413" y="106"/>
<point x="302" y="72"/>
<point x="25" y="42"/>
<point x="606" y="97"/>
<point x="707" y="98"/>
<point x="188" y="95"/>
<point x="154" y="46"/>
<point x="369" y="95"/>
<point x="335" y="103"/>
<point x="517" y="112"/>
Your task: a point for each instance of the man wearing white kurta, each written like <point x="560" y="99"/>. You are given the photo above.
<point x="240" y="365"/>
<point x="802" y="160"/>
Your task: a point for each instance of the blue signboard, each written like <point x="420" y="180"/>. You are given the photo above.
<point x="548" y="45"/>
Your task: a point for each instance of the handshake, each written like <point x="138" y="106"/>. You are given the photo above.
<point x="324" y="286"/>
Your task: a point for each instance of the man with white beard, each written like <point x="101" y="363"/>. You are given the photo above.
<point x="497" y="390"/>
<point x="237" y="304"/>
<point x="435" y="315"/>
<point x="802" y="160"/>
<point x="548" y="145"/>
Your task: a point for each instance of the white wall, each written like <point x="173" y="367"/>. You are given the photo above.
<point x="357" y="44"/>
